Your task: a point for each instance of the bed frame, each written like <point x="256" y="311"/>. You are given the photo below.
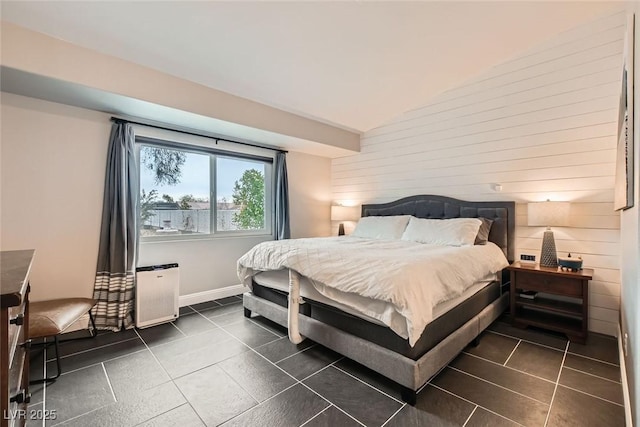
<point x="409" y="373"/>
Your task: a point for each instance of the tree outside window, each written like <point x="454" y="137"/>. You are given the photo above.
<point x="248" y="195"/>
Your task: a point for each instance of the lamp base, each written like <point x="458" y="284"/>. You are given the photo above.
<point x="341" y="230"/>
<point x="548" y="256"/>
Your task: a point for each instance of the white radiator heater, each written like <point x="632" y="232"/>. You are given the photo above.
<point x="157" y="291"/>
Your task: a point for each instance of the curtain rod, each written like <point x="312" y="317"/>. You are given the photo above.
<point x="215" y="138"/>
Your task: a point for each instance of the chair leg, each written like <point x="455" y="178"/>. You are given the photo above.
<point x="59" y="368"/>
<point x="55" y="341"/>
<point x="94" y="330"/>
<point x="44" y="356"/>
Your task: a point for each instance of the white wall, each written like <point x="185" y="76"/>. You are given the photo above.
<point x="543" y="125"/>
<point x="52" y="181"/>
<point x="53" y="160"/>
<point x="630" y="249"/>
<point x="205" y="265"/>
<point x="309" y="194"/>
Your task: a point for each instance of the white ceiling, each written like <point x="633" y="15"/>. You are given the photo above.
<point x="352" y="64"/>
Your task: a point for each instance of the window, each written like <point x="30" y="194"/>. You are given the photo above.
<point x="177" y="185"/>
<point x="241" y="194"/>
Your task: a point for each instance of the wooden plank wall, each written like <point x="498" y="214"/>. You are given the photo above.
<point x="542" y="125"/>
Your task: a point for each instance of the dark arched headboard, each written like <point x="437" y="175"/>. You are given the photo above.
<point x="440" y="207"/>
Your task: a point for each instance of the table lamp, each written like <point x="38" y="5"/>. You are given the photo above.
<point x="344" y="213"/>
<point x="548" y="214"/>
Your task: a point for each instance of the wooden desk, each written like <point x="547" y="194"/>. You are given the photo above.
<point x="14" y="332"/>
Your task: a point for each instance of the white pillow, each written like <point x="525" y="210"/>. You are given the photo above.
<point x="381" y="227"/>
<point x="450" y="232"/>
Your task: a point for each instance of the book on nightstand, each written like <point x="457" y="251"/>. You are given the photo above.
<point x="528" y="294"/>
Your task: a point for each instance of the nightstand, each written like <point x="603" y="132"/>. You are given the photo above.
<point x="568" y="314"/>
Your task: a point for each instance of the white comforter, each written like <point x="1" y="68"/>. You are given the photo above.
<point x="411" y="277"/>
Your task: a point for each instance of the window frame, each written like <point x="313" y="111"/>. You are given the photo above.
<point x="213" y="154"/>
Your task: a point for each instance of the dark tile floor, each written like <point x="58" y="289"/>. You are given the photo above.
<point x="212" y="366"/>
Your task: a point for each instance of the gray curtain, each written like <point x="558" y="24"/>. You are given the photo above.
<point x="115" y="273"/>
<point x="282" y="197"/>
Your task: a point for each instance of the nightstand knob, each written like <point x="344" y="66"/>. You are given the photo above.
<point x="18" y="320"/>
<point x="22" y="397"/>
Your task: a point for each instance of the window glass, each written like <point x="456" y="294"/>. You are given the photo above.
<point x="174" y="192"/>
<point x="177" y="184"/>
<point x="240" y="194"/>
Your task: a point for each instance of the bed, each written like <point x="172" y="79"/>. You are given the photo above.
<point x="341" y="321"/>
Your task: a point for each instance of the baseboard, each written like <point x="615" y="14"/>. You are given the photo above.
<point x="205" y="296"/>
<point x="625" y="384"/>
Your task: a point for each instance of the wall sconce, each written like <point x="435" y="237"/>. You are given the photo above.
<point x="344" y="213"/>
<point x="548" y="214"/>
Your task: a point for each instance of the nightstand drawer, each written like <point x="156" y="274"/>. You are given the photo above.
<point x="549" y="284"/>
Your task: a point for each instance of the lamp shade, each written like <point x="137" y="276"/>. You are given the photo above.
<point x="548" y="214"/>
<point x="345" y="213"/>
